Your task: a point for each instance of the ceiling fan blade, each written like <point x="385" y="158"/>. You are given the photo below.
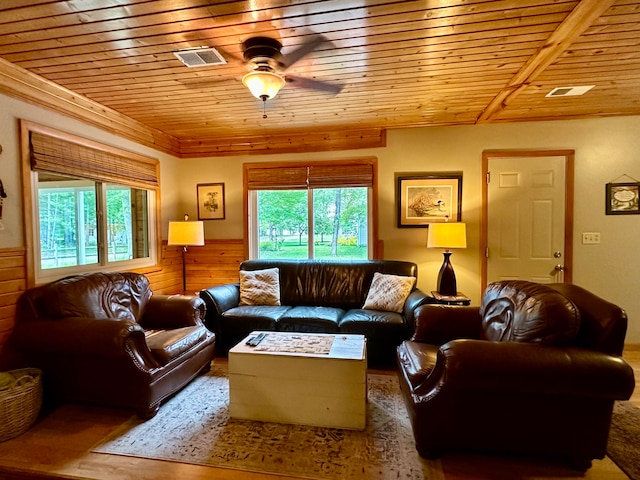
<point x="286" y="61"/>
<point x="311" y="84"/>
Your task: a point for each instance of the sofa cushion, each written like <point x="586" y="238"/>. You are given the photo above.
<point x="388" y="292"/>
<point x="98" y="295"/>
<point x="260" y="287"/>
<point x="167" y="345"/>
<point x="375" y="324"/>
<point x="311" y="319"/>
<point x="267" y="313"/>
<point x="521" y="311"/>
<point x="238" y="322"/>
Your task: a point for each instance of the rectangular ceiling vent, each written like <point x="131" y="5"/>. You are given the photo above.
<point x="569" y="91"/>
<point x="200" y="57"/>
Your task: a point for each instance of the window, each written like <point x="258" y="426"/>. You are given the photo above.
<point x="93" y="207"/>
<point x="311" y="210"/>
<point x="68" y="212"/>
<point x="67" y="222"/>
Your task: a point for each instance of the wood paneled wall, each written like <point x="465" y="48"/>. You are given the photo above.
<point x="290" y="142"/>
<point x="216" y="263"/>
<point x="13" y="281"/>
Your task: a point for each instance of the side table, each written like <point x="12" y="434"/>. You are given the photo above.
<point x="458" y="299"/>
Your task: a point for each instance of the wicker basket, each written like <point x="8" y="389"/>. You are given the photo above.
<point x="20" y="403"/>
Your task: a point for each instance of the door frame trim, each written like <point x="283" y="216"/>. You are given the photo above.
<point x="569" y="156"/>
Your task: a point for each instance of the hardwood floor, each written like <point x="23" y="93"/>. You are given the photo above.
<point x="632" y="355"/>
<point x="59" y="447"/>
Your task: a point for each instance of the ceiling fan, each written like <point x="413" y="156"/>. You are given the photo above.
<point x="267" y="66"/>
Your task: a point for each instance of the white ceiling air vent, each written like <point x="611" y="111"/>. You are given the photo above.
<point x="569" y="91"/>
<point x="200" y="57"/>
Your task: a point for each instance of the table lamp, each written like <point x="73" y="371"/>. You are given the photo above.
<point x="185" y="234"/>
<point x="447" y="235"/>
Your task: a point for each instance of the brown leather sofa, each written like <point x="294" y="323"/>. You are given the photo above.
<point x="317" y="296"/>
<point x="105" y="339"/>
<point x="534" y="370"/>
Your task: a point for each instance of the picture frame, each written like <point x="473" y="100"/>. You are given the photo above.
<point x="430" y="197"/>
<point x="210" y="201"/>
<point x="622" y="198"/>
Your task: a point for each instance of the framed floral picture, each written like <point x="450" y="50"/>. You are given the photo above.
<point x="622" y="198"/>
<point x="210" y="201"/>
<point x="424" y="198"/>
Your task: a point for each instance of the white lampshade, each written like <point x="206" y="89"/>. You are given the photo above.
<point x="447" y="235"/>
<point x="186" y="233"/>
<point x="263" y="84"/>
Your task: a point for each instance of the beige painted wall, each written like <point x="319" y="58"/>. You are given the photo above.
<point x="11" y="110"/>
<point x="605" y="149"/>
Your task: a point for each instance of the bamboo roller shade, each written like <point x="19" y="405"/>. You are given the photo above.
<point x="310" y="175"/>
<point x="59" y="156"/>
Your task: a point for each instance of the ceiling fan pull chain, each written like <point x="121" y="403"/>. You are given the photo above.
<point x="264" y="107"/>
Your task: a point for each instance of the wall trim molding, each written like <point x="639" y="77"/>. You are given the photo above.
<point x="20" y="83"/>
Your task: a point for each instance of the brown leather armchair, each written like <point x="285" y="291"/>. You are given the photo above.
<point x="105" y="339"/>
<point x="534" y="370"/>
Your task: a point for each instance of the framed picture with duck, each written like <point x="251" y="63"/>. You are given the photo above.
<point x="424" y="198"/>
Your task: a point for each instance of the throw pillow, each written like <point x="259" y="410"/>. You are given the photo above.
<point x="260" y="287"/>
<point x="388" y="292"/>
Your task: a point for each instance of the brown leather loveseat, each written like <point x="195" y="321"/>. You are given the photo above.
<point x="105" y="339"/>
<point x="534" y="370"/>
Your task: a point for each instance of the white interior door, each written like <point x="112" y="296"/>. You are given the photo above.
<point x="526" y="219"/>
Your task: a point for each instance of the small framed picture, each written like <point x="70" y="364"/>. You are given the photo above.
<point x="622" y="198"/>
<point x="424" y="198"/>
<point x="210" y="201"/>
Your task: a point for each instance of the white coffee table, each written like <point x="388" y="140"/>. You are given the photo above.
<point x="301" y="378"/>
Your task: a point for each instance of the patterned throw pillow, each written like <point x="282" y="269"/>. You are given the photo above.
<point x="388" y="292"/>
<point x="260" y="287"/>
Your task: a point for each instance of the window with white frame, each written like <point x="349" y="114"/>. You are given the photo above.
<point x="93" y="206"/>
<point x="311" y="209"/>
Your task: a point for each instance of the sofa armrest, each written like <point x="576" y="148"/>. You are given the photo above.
<point x="84" y="337"/>
<point x="165" y="312"/>
<point x="218" y="300"/>
<point x="438" y="324"/>
<point x="477" y="365"/>
<point x="416" y="298"/>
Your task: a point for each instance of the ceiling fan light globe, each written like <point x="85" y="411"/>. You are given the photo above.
<point x="263" y="84"/>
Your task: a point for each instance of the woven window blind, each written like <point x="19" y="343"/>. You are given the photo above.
<point x="276" y="178"/>
<point x="55" y="155"/>
<point x="349" y="175"/>
<point x="309" y="175"/>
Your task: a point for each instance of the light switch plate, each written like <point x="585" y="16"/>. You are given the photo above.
<point x="590" y="238"/>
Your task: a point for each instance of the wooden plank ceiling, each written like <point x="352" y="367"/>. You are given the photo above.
<point x="400" y="64"/>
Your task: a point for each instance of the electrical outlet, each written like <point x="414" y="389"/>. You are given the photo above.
<point x="590" y="238"/>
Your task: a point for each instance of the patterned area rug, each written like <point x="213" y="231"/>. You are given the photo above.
<point x="624" y="439"/>
<point x="195" y="427"/>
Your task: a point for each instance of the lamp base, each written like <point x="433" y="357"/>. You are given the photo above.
<point x="184" y="270"/>
<point x="447" y="284"/>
